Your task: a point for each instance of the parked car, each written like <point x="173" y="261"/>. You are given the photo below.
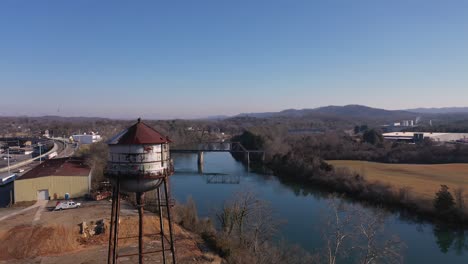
<point x="66" y="205"/>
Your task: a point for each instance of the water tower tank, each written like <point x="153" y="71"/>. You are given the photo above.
<point x="139" y="157"/>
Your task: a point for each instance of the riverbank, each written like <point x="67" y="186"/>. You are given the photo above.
<point x="302" y="210"/>
<point x="355" y="185"/>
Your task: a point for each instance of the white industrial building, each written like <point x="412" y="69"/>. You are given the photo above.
<point x="437" y="137"/>
<point x="86" y="139"/>
<point x="404" y="123"/>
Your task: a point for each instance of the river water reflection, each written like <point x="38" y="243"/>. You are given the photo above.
<point x="301" y="208"/>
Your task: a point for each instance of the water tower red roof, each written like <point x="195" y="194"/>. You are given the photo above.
<point x="139" y="133"/>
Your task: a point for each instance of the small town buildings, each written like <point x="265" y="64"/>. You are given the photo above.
<point x="53" y="179"/>
<point x="86" y="138"/>
<point x="399" y="126"/>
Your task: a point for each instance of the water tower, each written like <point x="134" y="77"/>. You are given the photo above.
<point x="139" y="161"/>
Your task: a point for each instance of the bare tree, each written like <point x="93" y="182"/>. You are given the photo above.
<point x="249" y="224"/>
<point x="336" y="232"/>
<point x="369" y="229"/>
<point x="352" y="230"/>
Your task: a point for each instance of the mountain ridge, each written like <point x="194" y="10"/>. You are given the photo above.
<point x="352" y="110"/>
<point x="438" y="110"/>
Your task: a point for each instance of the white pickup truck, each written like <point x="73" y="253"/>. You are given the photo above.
<point x="66" y="205"/>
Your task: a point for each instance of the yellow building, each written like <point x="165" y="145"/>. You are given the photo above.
<point x="52" y="179"/>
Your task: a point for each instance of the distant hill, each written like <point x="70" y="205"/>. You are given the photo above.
<point x="443" y="110"/>
<point x="60" y="118"/>
<point x="362" y="111"/>
<point x="214" y="117"/>
<point x="347" y="111"/>
<point x="258" y="115"/>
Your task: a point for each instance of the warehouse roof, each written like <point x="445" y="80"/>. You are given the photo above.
<point x="139" y="133"/>
<point x="58" y="167"/>
<point x="411" y="134"/>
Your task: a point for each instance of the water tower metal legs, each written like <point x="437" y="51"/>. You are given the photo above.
<point x="163" y="201"/>
<point x="111" y="226"/>
<point x="114" y="227"/>
<point x="171" y="233"/>
<point x="161" y="224"/>
<point x="140" y="197"/>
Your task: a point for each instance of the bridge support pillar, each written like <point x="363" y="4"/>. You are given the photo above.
<point x="247" y="159"/>
<point x="200" y="162"/>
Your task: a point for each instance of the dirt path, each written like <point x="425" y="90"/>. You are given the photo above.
<point x="42" y="206"/>
<point x="37" y="204"/>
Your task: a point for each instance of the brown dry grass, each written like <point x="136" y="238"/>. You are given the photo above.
<point x="184" y="239"/>
<point x="29" y="241"/>
<point x="423" y="180"/>
<point x="56" y="238"/>
<point x="26" y="241"/>
<point x="129" y="226"/>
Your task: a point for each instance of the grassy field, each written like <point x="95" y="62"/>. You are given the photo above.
<point x="424" y="180"/>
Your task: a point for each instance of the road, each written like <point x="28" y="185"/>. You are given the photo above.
<point x="25" y="169"/>
<point x="63" y="150"/>
<point x="14" y="159"/>
<point x="66" y="151"/>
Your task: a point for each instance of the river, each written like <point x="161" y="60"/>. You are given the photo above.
<point x="301" y="210"/>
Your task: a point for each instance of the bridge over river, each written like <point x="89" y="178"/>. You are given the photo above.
<point x="231" y="147"/>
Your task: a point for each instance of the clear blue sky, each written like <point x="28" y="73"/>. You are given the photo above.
<point x="163" y="59"/>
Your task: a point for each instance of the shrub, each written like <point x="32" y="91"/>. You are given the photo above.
<point x="444" y="202"/>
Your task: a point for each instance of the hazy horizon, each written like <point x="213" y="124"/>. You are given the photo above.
<point x="145" y="116"/>
<point x="120" y="59"/>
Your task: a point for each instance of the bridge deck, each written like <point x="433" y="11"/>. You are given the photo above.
<point x="213" y="150"/>
<point x="233" y="147"/>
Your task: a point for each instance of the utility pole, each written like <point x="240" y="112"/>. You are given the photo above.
<point x="8" y="158"/>
<point x="40" y="152"/>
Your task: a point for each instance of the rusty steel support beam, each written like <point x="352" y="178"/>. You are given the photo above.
<point x="140" y="197"/>
<point x="111" y="226"/>
<point x="116" y="225"/>
<point x="144" y="253"/>
<point x="144" y="235"/>
<point x="163" y="204"/>
<point x="171" y="234"/>
<point x="161" y="224"/>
